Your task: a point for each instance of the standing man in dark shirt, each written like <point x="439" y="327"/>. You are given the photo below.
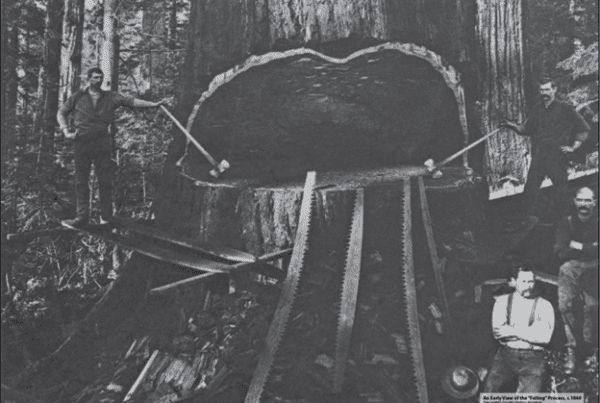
<point x="577" y="247"/>
<point x="93" y="112"/>
<point x="556" y="131"/>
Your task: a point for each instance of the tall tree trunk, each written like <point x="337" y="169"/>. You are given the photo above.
<point x="172" y="32"/>
<point x="9" y="81"/>
<point x="12" y="79"/>
<point x="52" y="52"/>
<point x="154" y="28"/>
<point x="107" y="47"/>
<point x="223" y="34"/>
<point x="73" y="25"/>
<point x="500" y="35"/>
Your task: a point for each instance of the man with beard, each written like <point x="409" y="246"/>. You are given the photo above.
<point x="552" y="126"/>
<point x="577" y="247"/>
<point x="523" y="322"/>
<point x="93" y="112"/>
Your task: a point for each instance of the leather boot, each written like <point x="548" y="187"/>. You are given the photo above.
<point x="83" y="212"/>
<point x="570" y="361"/>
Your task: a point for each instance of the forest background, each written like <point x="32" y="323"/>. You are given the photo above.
<point x="47" y="47"/>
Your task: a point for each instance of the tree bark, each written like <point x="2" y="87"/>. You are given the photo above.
<point x="52" y="52"/>
<point x="107" y="46"/>
<point x="10" y="80"/>
<point x="73" y="26"/>
<point x="154" y="29"/>
<point x="224" y="33"/>
<point x="172" y="32"/>
<point x="500" y="35"/>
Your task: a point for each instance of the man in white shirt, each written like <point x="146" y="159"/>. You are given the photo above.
<point x="523" y="323"/>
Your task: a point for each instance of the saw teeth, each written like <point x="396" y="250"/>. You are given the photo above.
<point x="349" y="291"/>
<point x="410" y="298"/>
<point x="288" y="293"/>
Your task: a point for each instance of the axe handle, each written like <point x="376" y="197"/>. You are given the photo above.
<point x="190" y="137"/>
<point x="473" y="144"/>
<point x="467" y="148"/>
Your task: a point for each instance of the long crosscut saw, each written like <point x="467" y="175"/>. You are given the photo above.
<point x="288" y="294"/>
<point x="410" y="297"/>
<point x="349" y="292"/>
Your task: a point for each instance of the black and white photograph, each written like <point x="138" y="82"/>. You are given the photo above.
<point x="299" y="201"/>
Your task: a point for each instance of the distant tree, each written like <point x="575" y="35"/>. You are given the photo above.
<point x="72" y="37"/>
<point x="107" y="46"/>
<point x="9" y="79"/>
<point x="51" y="77"/>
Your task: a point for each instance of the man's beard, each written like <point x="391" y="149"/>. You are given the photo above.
<point x="528" y="294"/>
<point x="584" y="211"/>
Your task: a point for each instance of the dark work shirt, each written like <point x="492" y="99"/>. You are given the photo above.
<point x="573" y="229"/>
<point x="90" y="121"/>
<point x="555" y="125"/>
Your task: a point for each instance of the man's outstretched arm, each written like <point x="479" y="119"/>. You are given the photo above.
<point x="140" y="103"/>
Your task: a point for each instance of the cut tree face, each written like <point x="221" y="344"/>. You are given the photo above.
<point x="302" y="113"/>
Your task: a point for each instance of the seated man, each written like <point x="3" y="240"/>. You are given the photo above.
<point x="523" y="323"/>
<point x="577" y="247"/>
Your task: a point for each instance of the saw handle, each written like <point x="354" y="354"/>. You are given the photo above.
<point x="191" y="138"/>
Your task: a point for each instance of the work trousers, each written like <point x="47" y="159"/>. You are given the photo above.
<point x="527" y="366"/>
<point x="95" y="151"/>
<point x="551" y="162"/>
<point x="570" y="290"/>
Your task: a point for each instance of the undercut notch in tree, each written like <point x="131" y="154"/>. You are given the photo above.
<point x="280" y="114"/>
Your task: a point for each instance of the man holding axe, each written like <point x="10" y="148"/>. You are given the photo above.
<point x="93" y="112"/>
<point x="552" y="125"/>
<point x="556" y="131"/>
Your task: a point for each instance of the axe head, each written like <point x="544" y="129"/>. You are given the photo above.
<point x="219" y="169"/>
<point x="430" y="165"/>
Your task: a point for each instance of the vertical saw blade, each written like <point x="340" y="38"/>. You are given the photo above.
<point x="288" y="294"/>
<point x="435" y="260"/>
<point x="349" y="292"/>
<point x="410" y="297"/>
